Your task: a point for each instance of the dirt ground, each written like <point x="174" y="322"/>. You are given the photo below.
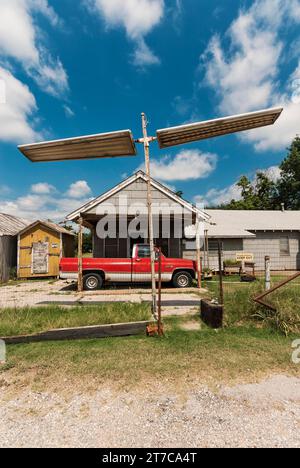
<point x="264" y="414"/>
<point x="36" y="293"/>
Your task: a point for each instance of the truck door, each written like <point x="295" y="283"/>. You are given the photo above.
<point x="141" y="264"/>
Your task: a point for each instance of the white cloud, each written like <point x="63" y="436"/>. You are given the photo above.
<point x="246" y="75"/>
<point x="68" y="111"/>
<point x="42" y="188"/>
<point x="42" y="204"/>
<point x="16" y="114"/>
<point x="144" y="56"/>
<point x="138" y="17"/>
<point x="79" y="189"/>
<point x="20" y="39"/>
<point x="217" y="197"/>
<point x="273" y="173"/>
<point x="186" y="165"/>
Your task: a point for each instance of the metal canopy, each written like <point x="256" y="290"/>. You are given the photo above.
<point x="217" y="127"/>
<point x="104" y="145"/>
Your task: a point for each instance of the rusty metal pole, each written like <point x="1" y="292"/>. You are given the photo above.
<point x="220" y="273"/>
<point x="80" y="270"/>
<point x="159" y="322"/>
<point x="268" y="273"/>
<point x="198" y="250"/>
<point x="146" y="142"/>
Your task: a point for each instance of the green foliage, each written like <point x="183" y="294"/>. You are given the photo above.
<point x="289" y="184"/>
<point x="265" y="194"/>
<point x="240" y="309"/>
<point x="231" y="263"/>
<point x="87" y="243"/>
<point x="13" y="274"/>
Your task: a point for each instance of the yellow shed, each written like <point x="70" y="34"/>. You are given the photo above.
<point x="40" y="248"/>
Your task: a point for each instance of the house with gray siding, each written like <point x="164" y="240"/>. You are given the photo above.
<point x="259" y="233"/>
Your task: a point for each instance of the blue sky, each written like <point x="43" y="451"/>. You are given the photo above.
<point x="75" y="68"/>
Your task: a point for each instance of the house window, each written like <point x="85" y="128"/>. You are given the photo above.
<point x="213" y="246"/>
<point x="284" y="246"/>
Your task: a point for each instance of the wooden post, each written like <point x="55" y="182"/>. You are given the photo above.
<point x="150" y="217"/>
<point x="268" y="273"/>
<point x="159" y="322"/>
<point x="221" y="300"/>
<point x="207" y="249"/>
<point x="80" y="270"/>
<point x="198" y="250"/>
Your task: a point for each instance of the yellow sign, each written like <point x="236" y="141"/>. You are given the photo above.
<point x="244" y="257"/>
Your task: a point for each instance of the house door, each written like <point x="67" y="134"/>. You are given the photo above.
<point x="40" y="258"/>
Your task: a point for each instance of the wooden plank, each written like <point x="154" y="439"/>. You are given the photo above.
<point x="96" y="331"/>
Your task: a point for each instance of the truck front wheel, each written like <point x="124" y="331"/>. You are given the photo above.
<point x="182" y="279"/>
<point x="92" y="282"/>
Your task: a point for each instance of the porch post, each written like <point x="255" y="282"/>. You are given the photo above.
<point x="80" y="270"/>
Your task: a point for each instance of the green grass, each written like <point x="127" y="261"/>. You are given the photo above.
<point x="247" y="348"/>
<point x="240" y="309"/>
<point x="33" y="320"/>
<point x="182" y="357"/>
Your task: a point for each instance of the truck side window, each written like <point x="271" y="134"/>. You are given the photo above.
<point x="144" y="251"/>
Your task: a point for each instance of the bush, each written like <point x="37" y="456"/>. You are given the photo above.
<point x="240" y="308"/>
<point x="232" y="263"/>
<point x="13" y="275"/>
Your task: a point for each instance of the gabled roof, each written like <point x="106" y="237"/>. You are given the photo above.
<point x="137" y="176"/>
<point x="11" y="225"/>
<point x="48" y="224"/>
<point x="244" y="223"/>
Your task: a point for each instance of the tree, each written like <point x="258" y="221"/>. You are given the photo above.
<point x="289" y="183"/>
<point x="260" y="194"/>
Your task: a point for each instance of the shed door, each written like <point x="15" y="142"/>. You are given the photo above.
<point x="40" y="256"/>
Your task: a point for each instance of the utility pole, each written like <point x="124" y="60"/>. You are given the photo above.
<point x="146" y="142"/>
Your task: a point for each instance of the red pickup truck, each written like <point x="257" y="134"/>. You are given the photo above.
<point x="98" y="271"/>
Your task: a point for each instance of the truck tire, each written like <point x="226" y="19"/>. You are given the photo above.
<point x="182" y="279"/>
<point x="92" y="282"/>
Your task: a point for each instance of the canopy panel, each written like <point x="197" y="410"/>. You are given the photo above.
<point x="103" y="145"/>
<point x="213" y="128"/>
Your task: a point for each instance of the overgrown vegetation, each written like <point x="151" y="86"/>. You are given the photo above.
<point x="241" y="310"/>
<point x="30" y="320"/>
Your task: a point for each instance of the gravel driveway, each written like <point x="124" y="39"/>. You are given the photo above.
<point x="260" y="415"/>
<point x="37" y="293"/>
